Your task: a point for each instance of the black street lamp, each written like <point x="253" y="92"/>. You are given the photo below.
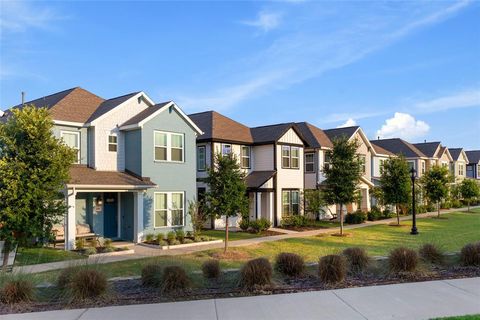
<point x="414" y="218"/>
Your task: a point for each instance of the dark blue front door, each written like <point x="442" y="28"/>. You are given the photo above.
<point x="110" y="215"/>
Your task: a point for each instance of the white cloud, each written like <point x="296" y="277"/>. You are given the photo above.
<point x="404" y="126"/>
<point x="19" y="16"/>
<point x="463" y="99"/>
<point x="349" y="123"/>
<point x="265" y="21"/>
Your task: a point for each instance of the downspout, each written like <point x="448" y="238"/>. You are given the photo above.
<point x="275" y="193"/>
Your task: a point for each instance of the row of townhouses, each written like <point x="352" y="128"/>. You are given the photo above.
<point x="139" y="163"/>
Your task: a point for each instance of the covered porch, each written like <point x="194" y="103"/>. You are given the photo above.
<point x="261" y="195"/>
<point x="107" y="204"/>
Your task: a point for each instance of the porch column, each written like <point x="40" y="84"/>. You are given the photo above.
<point x="367" y="197"/>
<point x="270" y="207"/>
<point x="70" y="227"/>
<point x="259" y="205"/>
<point x="138" y="216"/>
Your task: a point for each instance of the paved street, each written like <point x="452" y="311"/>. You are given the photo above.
<point x="422" y="300"/>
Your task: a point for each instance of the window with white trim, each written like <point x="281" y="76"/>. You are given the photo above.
<point x="423" y="167"/>
<point x="226" y="149"/>
<point x="168" y="146"/>
<point x="285" y="156"/>
<point x="411" y="164"/>
<point x="112" y="143"/>
<point x="381" y="163"/>
<point x="363" y="163"/>
<point x="290" y="202"/>
<point x="169" y="209"/>
<point x="245" y="157"/>
<point x="295" y="157"/>
<point x="310" y="162"/>
<point x="461" y="171"/>
<point x="201" y="158"/>
<point x="326" y="159"/>
<point x="72" y="139"/>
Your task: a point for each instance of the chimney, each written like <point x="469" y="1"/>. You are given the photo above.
<point x="378" y="137"/>
<point x="23" y="98"/>
<point x="425" y="141"/>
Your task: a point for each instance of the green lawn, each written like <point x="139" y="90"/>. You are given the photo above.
<point x="468" y="317"/>
<point x="27" y="256"/>
<point x="450" y="234"/>
<point x="220" y="234"/>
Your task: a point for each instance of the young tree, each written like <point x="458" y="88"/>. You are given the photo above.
<point x="228" y="192"/>
<point x="314" y="201"/>
<point x="34" y="167"/>
<point x="396" y="184"/>
<point x="435" y="183"/>
<point x="470" y="190"/>
<point x="342" y="175"/>
<point x="197" y="216"/>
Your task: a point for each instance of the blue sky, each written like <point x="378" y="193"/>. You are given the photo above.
<point x="398" y="69"/>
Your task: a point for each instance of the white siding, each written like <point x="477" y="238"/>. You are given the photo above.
<point x="376" y="165"/>
<point x="291" y="137"/>
<point x="263" y="157"/>
<point x="112" y="161"/>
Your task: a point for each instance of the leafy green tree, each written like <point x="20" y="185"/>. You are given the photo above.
<point x="396" y="184"/>
<point x="435" y="184"/>
<point x="197" y="216"/>
<point x="227" y="195"/>
<point x="34" y="167"/>
<point x="342" y="175"/>
<point x="470" y="190"/>
<point x="314" y="201"/>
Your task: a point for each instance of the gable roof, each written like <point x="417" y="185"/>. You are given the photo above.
<point x="381" y="151"/>
<point x="257" y="178"/>
<point x="72" y="105"/>
<point x="473" y="156"/>
<point x="145" y="114"/>
<point x="109" y="105"/>
<point x="216" y="126"/>
<point x="428" y="148"/>
<point x="442" y="151"/>
<point x="457" y="152"/>
<point x="272" y="133"/>
<point x="314" y="136"/>
<point x="399" y="146"/>
<point x="338" y="132"/>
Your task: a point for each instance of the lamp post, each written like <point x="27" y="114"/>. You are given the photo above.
<point x="414" y="218"/>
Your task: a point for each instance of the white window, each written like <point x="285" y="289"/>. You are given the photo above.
<point x="290" y="157"/>
<point x="295" y="157"/>
<point x="245" y="157"/>
<point x="411" y="164"/>
<point x="423" y="167"/>
<point x="461" y="171"/>
<point x="201" y="158"/>
<point x="309" y="162"/>
<point x="168" y="146"/>
<point x="326" y="159"/>
<point x="290" y="202"/>
<point x="363" y="160"/>
<point x="381" y="162"/>
<point x="72" y="139"/>
<point x="112" y="143"/>
<point x="169" y="209"/>
<point x="285" y="156"/>
<point x="226" y="149"/>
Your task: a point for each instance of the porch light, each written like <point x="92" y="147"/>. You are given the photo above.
<point x="99" y="201"/>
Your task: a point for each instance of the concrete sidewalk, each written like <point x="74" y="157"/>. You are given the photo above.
<point x="143" y="252"/>
<point x="421" y="300"/>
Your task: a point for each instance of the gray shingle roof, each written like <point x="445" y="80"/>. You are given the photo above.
<point x="339" y="132"/>
<point x="473" y="156"/>
<point x="314" y="136"/>
<point x="455" y="152"/>
<point x="428" y="148"/>
<point x="399" y="146"/>
<point x="257" y="178"/>
<point x="270" y="133"/>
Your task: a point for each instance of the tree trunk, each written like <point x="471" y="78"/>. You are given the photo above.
<point x="341" y="219"/>
<point x="397" y="209"/>
<point x="438" y="208"/>
<point x="468" y="205"/>
<point x="6" y="252"/>
<point x="226" y="234"/>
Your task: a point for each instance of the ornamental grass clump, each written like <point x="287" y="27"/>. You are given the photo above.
<point x="151" y="275"/>
<point x="174" y="279"/>
<point x="357" y="259"/>
<point x="431" y="253"/>
<point x="256" y="273"/>
<point x="211" y="269"/>
<point x="88" y="283"/>
<point x="402" y="260"/>
<point x="470" y="254"/>
<point x="65" y="277"/>
<point x="16" y="289"/>
<point x="290" y="264"/>
<point x="332" y="268"/>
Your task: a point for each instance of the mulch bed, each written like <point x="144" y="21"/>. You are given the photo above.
<point x="125" y="292"/>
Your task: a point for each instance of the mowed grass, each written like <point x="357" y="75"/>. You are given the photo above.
<point x="29" y="256"/>
<point x="450" y="234"/>
<point x="232" y="236"/>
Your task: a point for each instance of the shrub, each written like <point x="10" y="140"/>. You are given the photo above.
<point x="431" y="253"/>
<point x="65" y="277"/>
<point x="332" y="268"/>
<point x="107" y="242"/>
<point x="149" y="237"/>
<point x="88" y="283"/>
<point x="294" y="221"/>
<point x="162" y="243"/>
<point x="244" y="224"/>
<point x="430" y="208"/>
<point x="421" y="209"/>
<point x="356" y="217"/>
<point x="455" y="203"/>
<point x="174" y="279"/>
<point x="151" y="275"/>
<point x="387" y="213"/>
<point x="160" y="238"/>
<point x="90" y="250"/>
<point x="211" y="269"/>
<point x="470" y="254"/>
<point x="264" y="224"/>
<point x="357" y="258"/>
<point x="16" y="289"/>
<point x="171" y="237"/>
<point x="290" y="264"/>
<point x="255" y="226"/>
<point x="374" y="214"/>
<point x="402" y="260"/>
<point x="187" y="241"/>
<point x="256" y="273"/>
<point x="80" y="244"/>
<point x="180" y="234"/>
